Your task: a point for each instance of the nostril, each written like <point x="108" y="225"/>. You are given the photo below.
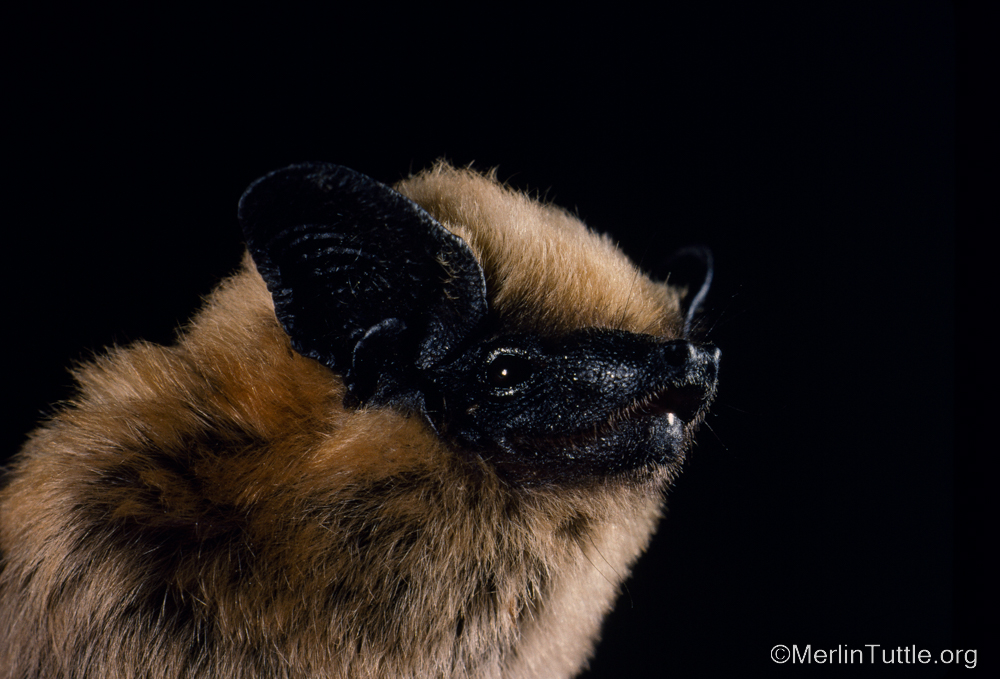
<point x="677" y="353"/>
<point x="681" y="352"/>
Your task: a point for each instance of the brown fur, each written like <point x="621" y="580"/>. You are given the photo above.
<point x="545" y="270"/>
<point x="211" y="509"/>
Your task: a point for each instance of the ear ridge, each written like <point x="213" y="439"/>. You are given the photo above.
<point x="353" y="265"/>
<point x="692" y="267"/>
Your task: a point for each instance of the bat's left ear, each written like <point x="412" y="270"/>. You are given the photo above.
<point x="363" y="279"/>
<point x="692" y="267"/>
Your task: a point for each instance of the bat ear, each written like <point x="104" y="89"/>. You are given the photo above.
<point x="363" y="279"/>
<point x="692" y="267"/>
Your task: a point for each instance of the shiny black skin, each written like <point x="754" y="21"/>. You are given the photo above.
<point x="368" y="283"/>
<point x="594" y="402"/>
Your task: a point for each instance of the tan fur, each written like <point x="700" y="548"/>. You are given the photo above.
<point x="545" y="270"/>
<point x="210" y="509"/>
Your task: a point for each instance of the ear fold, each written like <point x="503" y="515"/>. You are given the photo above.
<point x="692" y="267"/>
<point x="363" y="279"/>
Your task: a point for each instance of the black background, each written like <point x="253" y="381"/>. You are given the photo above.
<point x="812" y="148"/>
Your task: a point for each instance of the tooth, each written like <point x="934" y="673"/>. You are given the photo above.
<point x="670" y="419"/>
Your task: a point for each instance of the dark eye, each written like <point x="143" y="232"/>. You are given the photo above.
<point x="507" y="370"/>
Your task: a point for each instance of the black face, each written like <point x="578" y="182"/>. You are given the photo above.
<point x="595" y="402"/>
<point x="369" y="284"/>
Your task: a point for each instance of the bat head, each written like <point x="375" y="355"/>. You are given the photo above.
<point x="533" y="344"/>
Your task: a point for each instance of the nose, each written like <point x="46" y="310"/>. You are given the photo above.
<point x="685" y="356"/>
<point x="691" y="374"/>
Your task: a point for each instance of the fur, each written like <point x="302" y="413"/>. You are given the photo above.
<point x="212" y="508"/>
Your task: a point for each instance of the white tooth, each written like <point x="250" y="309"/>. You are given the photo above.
<point x="670" y="419"/>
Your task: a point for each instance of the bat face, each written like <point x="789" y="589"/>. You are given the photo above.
<point x="542" y="405"/>
<point x="593" y="403"/>
<point x="424" y="431"/>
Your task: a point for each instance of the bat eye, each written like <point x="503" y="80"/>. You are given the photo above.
<point x="508" y="370"/>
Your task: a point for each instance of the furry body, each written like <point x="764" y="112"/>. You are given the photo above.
<point x="214" y="509"/>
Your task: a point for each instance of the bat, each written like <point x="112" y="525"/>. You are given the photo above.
<point x="424" y="431"/>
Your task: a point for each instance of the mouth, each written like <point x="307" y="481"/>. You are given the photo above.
<point x="686" y="403"/>
<point x="654" y="429"/>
